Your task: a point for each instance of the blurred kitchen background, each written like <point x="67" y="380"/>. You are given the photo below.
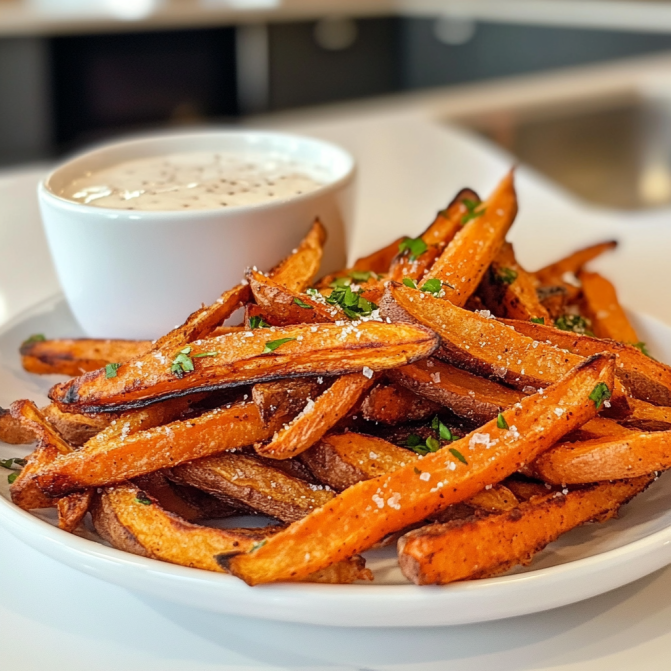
<point x="576" y="88"/>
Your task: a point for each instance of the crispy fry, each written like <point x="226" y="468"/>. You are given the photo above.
<point x="572" y="264"/>
<point x="379" y="261"/>
<point x="465" y="394"/>
<point x="74" y="357"/>
<point x="238" y="358"/>
<point x="106" y="462"/>
<point x="316" y="418"/>
<point x="240" y="478"/>
<point x="600" y="304"/>
<point x="76" y="428"/>
<point x="366" y="512"/>
<point x="477" y="548"/>
<point x="286" y="397"/>
<point x="608" y="458"/>
<point x="510" y="291"/>
<point x="72" y="509"/>
<point x="465" y="260"/>
<point x="393" y="404"/>
<point x="643" y="377"/>
<point x="12" y="431"/>
<point x="647" y="417"/>
<point x="444" y="227"/>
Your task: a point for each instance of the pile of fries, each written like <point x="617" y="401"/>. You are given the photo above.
<point x="435" y="395"/>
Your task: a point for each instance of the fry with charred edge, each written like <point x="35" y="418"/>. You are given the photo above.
<point x="600" y="304"/>
<point x="74" y="357"/>
<point x="393" y="404"/>
<point x="242" y="478"/>
<point x="283" y="307"/>
<point x="316" y="418"/>
<point x="609" y="458"/>
<point x="101" y="463"/>
<point x="248" y="357"/>
<point x="444" y="227"/>
<point x="366" y="512"/>
<point x="465" y="394"/>
<point x="286" y="397"/>
<point x="643" y="377"/>
<point x="483" y="346"/>
<point x="510" y="291"/>
<point x="464" y="262"/>
<point x="573" y="263"/>
<point x="478" y="548"/>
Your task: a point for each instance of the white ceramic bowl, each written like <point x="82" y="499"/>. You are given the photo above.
<point x="136" y="274"/>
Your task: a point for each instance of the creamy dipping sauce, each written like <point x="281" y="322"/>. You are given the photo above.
<point x="194" y="180"/>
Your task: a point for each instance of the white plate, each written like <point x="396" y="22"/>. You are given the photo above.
<point x="586" y="562"/>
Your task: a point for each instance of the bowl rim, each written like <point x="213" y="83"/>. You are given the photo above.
<point x="46" y="194"/>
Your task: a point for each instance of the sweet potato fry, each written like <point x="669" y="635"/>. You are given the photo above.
<point x="572" y="264"/>
<point x="106" y="462"/>
<point x="283" y="307"/>
<point x="466" y="395"/>
<point x="477" y="548"/>
<point x="393" y="404"/>
<point x="508" y="290"/>
<point x="600" y="304"/>
<point x="282" y="398"/>
<point x="643" y="377"/>
<point x="647" y="417"/>
<point x="379" y="261"/>
<point x="12" y="431"/>
<point x="248" y="357"/>
<point x="368" y="511"/>
<point x="73" y="508"/>
<point x="74" y="357"/>
<point x="316" y="418"/>
<point x="465" y="260"/>
<point x="240" y="478"/>
<point x="609" y="458"/>
<point x="444" y="227"/>
<point x="76" y="428"/>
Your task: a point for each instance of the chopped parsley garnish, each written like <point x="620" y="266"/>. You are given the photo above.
<point x="15" y="463"/>
<point x="143" y="499"/>
<point x="182" y="363"/>
<point x="302" y="304"/>
<point x="11" y="477"/>
<point x="340" y="282"/>
<point x="501" y="422"/>
<point x="36" y="337"/>
<point x="433" y="286"/>
<point x="472" y="211"/>
<point x="203" y="354"/>
<point x="416" y="444"/>
<point x="574" y="323"/>
<point x="505" y="276"/>
<point x="415" y="246"/>
<point x="409" y="283"/>
<point x="600" y="394"/>
<point x="258" y="545"/>
<point x="353" y="304"/>
<point x="362" y="275"/>
<point x="458" y="455"/>
<point x="111" y="369"/>
<point x="538" y="320"/>
<point x="443" y="432"/>
<point x="257" y="322"/>
<point x="272" y="345"/>
<point x="643" y="348"/>
<point x="432" y="444"/>
<point x="413" y="440"/>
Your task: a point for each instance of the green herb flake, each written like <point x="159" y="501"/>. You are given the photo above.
<point x="258" y="546"/>
<point x="474" y="210"/>
<point x="409" y="283"/>
<point x="458" y="455"/>
<point x="11" y="477"/>
<point x="505" y="276"/>
<point x="182" y="363"/>
<point x="340" y="282"/>
<point x="501" y="422"/>
<point x="574" y="323"/>
<point x="417" y="471"/>
<point x="302" y="304"/>
<point x="13" y="463"/>
<point x="643" y="348"/>
<point x="36" y="337"/>
<point x="204" y="354"/>
<point x="432" y="286"/>
<point x="432" y="444"/>
<point x="600" y="394"/>
<point x="538" y="320"/>
<point x="272" y="345"/>
<point x="443" y="432"/>
<point x="111" y="369"/>
<point x="415" y="246"/>
<point x="362" y="275"/>
<point x="413" y="440"/>
<point x="257" y="322"/>
<point x="353" y="304"/>
<point x="143" y="499"/>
